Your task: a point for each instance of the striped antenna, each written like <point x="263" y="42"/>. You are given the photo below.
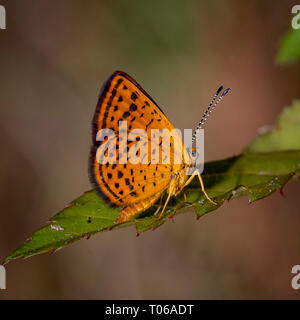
<point x="209" y="110"/>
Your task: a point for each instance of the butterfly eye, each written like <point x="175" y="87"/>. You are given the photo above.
<point x="195" y="154"/>
<point x="192" y="153"/>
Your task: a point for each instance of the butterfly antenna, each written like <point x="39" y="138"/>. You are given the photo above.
<point x="209" y="109"/>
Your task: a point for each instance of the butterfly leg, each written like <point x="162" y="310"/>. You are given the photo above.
<point x="190" y="179"/>
<point x="159" y="206"/>
<point x="203" y="189"/>
<point x="196" y="172"/>
<point x="165" y="205"/>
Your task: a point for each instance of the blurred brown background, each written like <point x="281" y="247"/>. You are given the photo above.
<point x="54" y="57"/>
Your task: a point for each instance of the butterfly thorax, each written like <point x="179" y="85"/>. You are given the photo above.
<point x="179" y="178"/>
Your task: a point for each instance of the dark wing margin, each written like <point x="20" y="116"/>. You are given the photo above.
<point x="102" y="95"/>
<point x="125" y="75"/>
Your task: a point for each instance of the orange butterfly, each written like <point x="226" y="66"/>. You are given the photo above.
<point x="136" y="187"/>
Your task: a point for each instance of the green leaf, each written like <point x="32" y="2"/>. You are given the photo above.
<point x="267" y="164"/>
<point x="289" y="48"/>
<point x="285" y="137"/>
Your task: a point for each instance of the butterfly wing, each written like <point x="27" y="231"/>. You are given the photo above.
<point x="123" y="99"/>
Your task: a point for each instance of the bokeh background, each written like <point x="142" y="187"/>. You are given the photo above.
<point x="54" y="57"/>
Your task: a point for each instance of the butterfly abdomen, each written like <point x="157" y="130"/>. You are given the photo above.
<point x="134" y="208"/>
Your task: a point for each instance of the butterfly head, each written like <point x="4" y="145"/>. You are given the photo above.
<point x="193" y="155"/>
